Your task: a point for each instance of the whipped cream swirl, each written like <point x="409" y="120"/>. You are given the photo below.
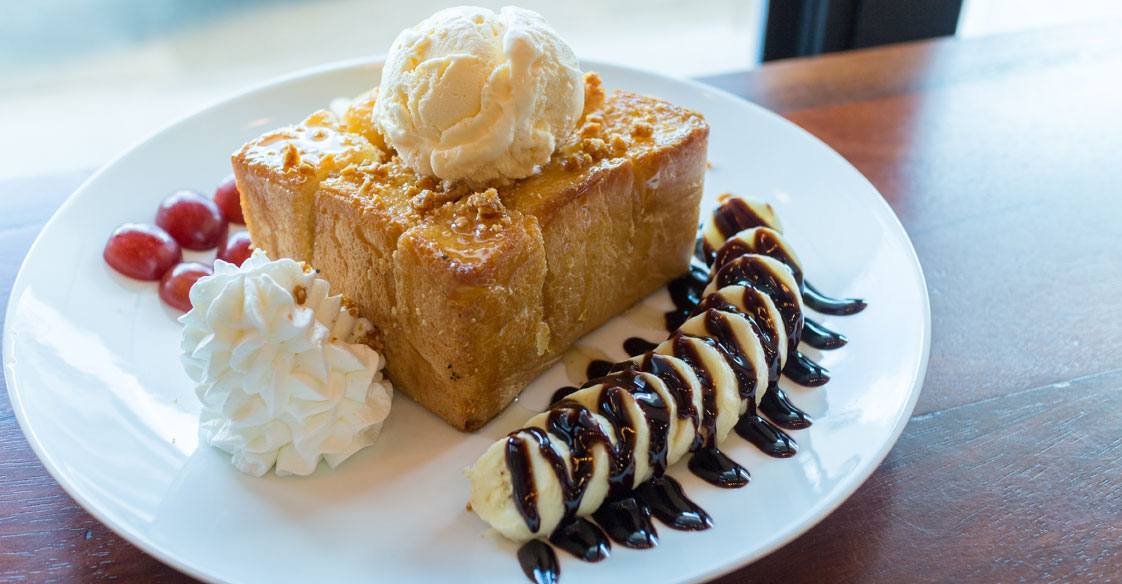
<point x="280" y="368"/>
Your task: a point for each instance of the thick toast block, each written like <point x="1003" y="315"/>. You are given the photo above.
<point x="476" y="293"/>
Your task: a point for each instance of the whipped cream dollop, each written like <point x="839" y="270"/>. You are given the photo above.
<point x="281" y="368"/>
<point x="473" y="95"/>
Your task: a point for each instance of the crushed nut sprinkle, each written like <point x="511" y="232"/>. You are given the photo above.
<point x="423" y="202"/>
<point x="427" y="183"/>
<point x="596" y="148"/>
<point x="368" y="184"/>
<point x="577" y="161"/>
<point x="486" y="203"/>
<point x="617" y="141"/>
<point x="372" y="339"/>
<point x="642" y="129"/>
<point x="291" y="156"/>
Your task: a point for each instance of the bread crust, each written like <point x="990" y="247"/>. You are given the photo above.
<point x="474" y="294"/>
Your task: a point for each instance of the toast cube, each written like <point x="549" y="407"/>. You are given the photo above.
<point x="475" y="293"/>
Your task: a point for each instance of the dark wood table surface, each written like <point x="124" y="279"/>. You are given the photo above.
<point x="1002" y="157"/>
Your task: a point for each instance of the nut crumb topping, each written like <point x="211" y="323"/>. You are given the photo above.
<point x="367" y="185"/>
<point x="426" y="183"/>
<point x="618" y="142"/>
<point x="291" y="156"/>
<point x="577" y="161"/>
<point x="486" y="204"/>
<point x="642" y="129"/>
<point x="428" y="200"/>
<point x="596" y="148"/>
<point x="372" y="339"/>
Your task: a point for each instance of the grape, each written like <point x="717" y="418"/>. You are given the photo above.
<point x="229" y="201"/>
<point x="236" y="248"/>
<point x="192" y="219"/>
<point x="175" y="286"/>
<point x="141" y="251"/>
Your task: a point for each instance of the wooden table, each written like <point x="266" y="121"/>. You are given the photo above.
<point x="1003" y="158"/>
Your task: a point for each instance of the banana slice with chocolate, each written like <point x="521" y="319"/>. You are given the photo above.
<point x="619" y="431"/>
<point x="601" y="451"/>
<point x="735" y="214"/>
<point x="757" y="229"/>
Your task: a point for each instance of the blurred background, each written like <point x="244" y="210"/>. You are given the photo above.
<point x="81" y="80"/>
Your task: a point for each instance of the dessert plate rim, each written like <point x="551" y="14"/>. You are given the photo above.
<point x="55" y="465"/>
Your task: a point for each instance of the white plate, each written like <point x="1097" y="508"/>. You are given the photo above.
<point x="91" y="360"/>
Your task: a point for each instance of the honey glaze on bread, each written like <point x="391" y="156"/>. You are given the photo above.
<point x="476" y="292"/>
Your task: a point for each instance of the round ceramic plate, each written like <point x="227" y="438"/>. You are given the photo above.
<point x="92" y="365"/>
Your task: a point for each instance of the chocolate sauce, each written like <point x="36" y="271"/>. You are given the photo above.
<point x="581" y="538"/>
<point x="805" y="372"/>
<point x="720" y="330"/>
<point x="657" y="414"/>
<point x="636" y="346"/>
<point x="751" y="270"/>
<point x="522" y="477"/>
<point x="621" y="473"/>
<point x="685" y="292"/>
<point x="764" y="242"/>
<point x="731" y="250"/>
<point x="668" y="503"/>
<point x="732" y="217"/>
<point x="779" y="410"/>
<point x="713" y="467"/>
<point x="597" y="368"/>
<point x="817" y="301"/>
<point x="757" y="313"/>
<point x="561" y="394"/>
<point x="820" y="337"/>
<point x="707" y="426"/>
<point x="660" y="366"/>
<point x="578" y="429"/>
<point x="764" y="435"/>
<point x="539" y="563"/>
<point x="628" y="522"/>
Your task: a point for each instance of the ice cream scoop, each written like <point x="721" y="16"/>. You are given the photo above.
<point x="470" y="94"/>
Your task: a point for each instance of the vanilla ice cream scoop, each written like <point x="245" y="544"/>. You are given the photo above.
<point x="473" y="95"/>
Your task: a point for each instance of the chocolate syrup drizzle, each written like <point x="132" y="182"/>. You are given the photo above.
<point x="627" y="515"/>
<point x="539" y="563"/>
<point x="735" y="215"/>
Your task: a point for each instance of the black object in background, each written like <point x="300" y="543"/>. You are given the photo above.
<point x="797" y="28"/>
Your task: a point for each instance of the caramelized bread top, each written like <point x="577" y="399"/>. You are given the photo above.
<point x="316" y="146"/>
<point x="351" y="158"/>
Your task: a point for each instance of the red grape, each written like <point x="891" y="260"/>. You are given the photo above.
<point x="175" y="286"/>
<point x="192" y="219"/>
<point x="141" y="251"/>
<point x="229" y="201"/>
<point x="236" y="249"/>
